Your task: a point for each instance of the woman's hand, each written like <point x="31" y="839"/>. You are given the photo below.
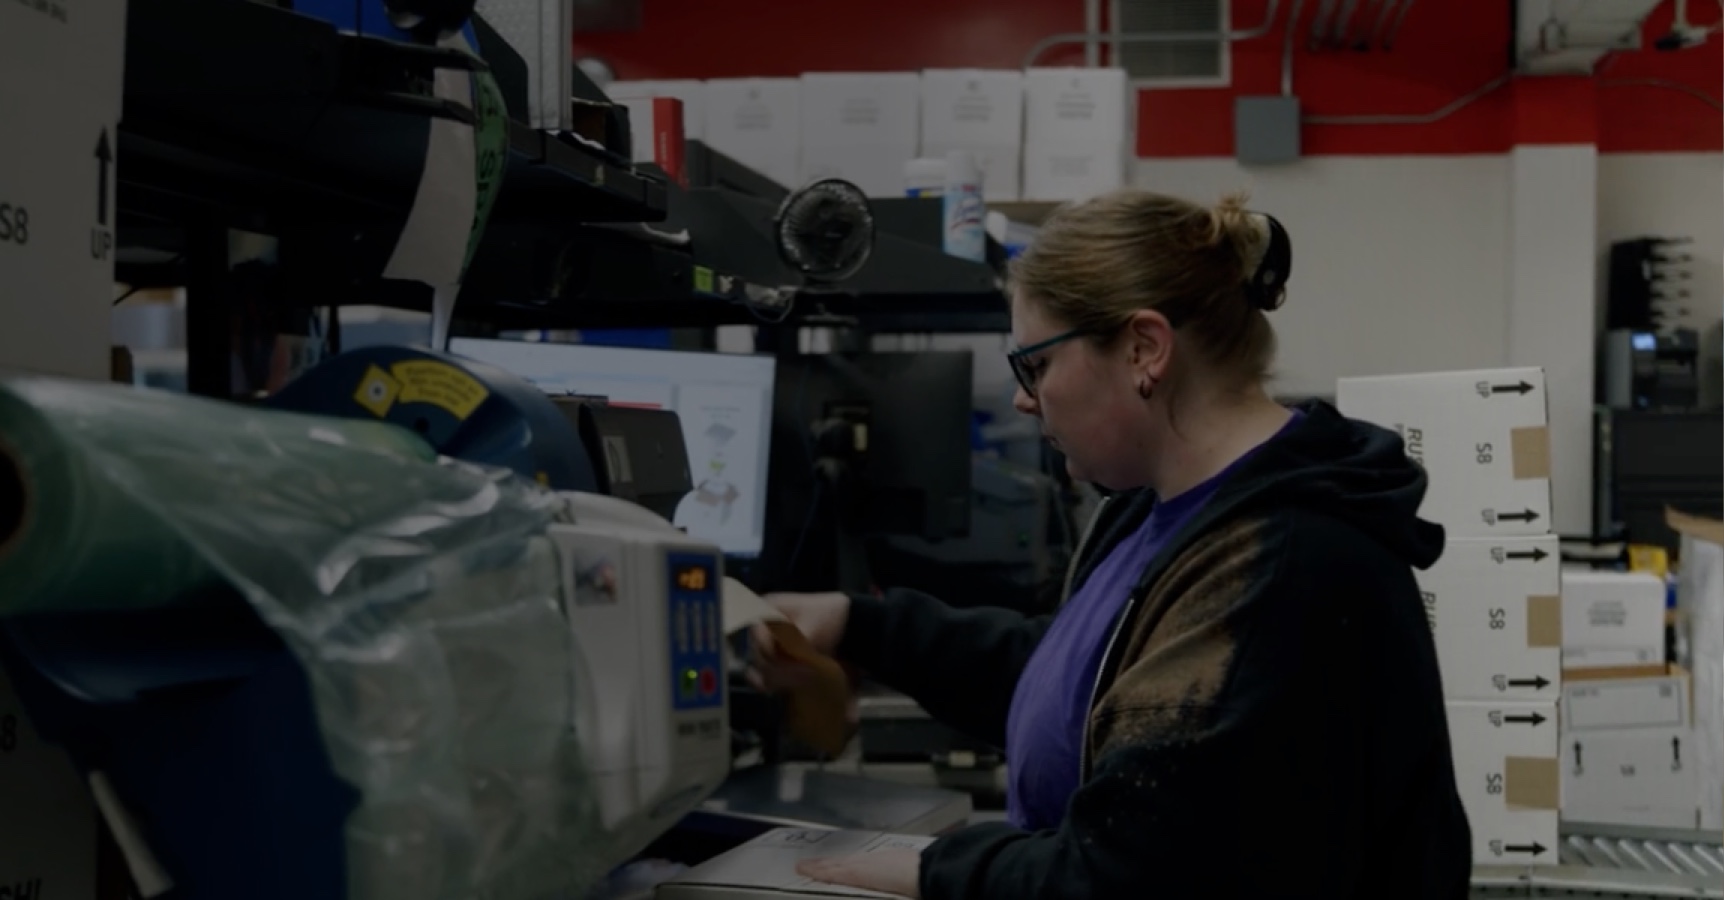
<point x="888" y="871"/>
<point x="821" y="619"/>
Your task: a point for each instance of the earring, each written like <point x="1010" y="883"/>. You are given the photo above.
<point x="1145" y="387"/>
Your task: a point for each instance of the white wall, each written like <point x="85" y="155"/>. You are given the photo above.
<point x="1667" y="195"/>
<point x="1400" y="264"/>
<point x="1553" y="226"/>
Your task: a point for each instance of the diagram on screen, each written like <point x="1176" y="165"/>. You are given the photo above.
<point x="721" y="457"/>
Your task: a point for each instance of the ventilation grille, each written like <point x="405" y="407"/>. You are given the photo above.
<point x="1183" y="62"/>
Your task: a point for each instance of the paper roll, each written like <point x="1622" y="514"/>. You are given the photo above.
<point x="818" y="707"/>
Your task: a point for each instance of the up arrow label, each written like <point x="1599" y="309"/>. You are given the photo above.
<point x="104" y="162"/>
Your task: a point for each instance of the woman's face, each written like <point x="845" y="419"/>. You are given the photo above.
<point x="1086" y="398"/>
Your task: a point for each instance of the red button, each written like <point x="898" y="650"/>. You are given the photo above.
<point x="708" y="682"/>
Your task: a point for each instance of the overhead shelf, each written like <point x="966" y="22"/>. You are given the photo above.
<point x="250" y="116"/>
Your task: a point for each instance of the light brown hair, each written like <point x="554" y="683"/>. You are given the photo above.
<point x="1098" y="262"/>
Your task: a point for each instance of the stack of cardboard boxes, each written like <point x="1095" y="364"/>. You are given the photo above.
<point x="1627" y="717"/>
<point x="1038" y="134"/>
<point x="1494" y="599"/>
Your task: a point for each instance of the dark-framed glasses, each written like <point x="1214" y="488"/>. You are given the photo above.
<point x="1027" y="369"/>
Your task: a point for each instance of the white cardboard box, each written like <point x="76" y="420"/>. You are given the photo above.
<point x="1643" y="777"/>
<point x="1497" y="618"/>
<point x="1612" y="620"/>
<point x="1625" y="704"/>
<point x="757" y="121"/>
<point x="1002" y="167"/>
<point x="766" y="866"/>
<point x="1482" y="436"/>
<point x="882" y="109"/>
<point x="1508" y="768"/>
<point x="1072" y="171"/>
<point x="971" y="108"/>
<point x="47" y="819"/>
<point x="1076" y="107"/>
<point x="57" y="183"/>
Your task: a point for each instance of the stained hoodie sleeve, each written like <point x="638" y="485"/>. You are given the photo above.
<point x="960" y="665"/>
<point x="1203" y="782"/>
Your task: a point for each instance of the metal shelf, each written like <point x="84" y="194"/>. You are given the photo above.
<point x="1616" y="863"/>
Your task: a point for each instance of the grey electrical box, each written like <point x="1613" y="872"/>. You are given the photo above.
<point x="1266" y="130"/>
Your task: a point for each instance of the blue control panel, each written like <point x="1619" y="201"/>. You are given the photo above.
<point x="696" y="618"/>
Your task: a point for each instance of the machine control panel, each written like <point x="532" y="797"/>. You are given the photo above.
<point x="696" y="631"/>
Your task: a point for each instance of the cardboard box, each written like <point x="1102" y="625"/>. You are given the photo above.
<point x="57" y="183"/>
<point x="48" y="827"/>
<point x="1626" y="704"/>
<point x="757" y="122"/>
<point x="1077" y="108"/>
<point x="966" y="108"/>
<point x="1072" y="172"/>
<point x="1508" y="767"/>
<point x="1482" y="436"/>
<point x="1613" y="621"/>
<point x="1642" y="777"/>
<point x="1700" y="599"/>
<point x="881" y="109"/>
<point x="862" y="128"/>
<point x="1497" y="617"/>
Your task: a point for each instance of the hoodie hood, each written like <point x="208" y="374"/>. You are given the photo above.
<point x="1346" y="469"/>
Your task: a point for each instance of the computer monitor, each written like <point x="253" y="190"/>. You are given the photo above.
<point x="865" y="445"/>
<point x="724" y="401"/>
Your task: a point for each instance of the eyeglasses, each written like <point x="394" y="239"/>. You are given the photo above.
<point x="1028" y="371"/>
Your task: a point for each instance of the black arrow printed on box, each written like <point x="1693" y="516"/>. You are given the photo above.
<point x="1579" y="768"/>
<point x="1537" y="684"/>
<point x="1528" y="516"/>
<point x="1535" y="719"/>
<point x="1534" y="554"/>
<point x="1676" y="754"/>
<point x="1535" y="848"/>
<point x="1520" y="388"/>
<point x="104" y="160"/>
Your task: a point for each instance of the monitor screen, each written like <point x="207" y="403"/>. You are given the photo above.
<point x="724" y="402"/>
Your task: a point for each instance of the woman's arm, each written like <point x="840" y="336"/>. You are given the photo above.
<point x="960" y="665"/>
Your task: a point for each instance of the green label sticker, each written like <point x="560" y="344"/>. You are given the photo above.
<point x="703" y="279"/>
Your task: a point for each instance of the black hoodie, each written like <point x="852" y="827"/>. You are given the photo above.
<point x="1268" y="720"/>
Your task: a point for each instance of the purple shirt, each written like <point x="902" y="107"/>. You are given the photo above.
<point x="1045" y="726"/>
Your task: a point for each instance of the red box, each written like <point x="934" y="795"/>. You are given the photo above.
<point x="667" y="138"/>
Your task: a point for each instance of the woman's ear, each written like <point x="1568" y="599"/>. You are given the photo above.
<point x="1149" y="344"/>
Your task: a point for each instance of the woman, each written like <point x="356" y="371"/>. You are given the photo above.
<point x="1240" y="695"/>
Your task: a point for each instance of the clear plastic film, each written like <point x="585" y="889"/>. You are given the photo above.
<point x="420" y="595"/>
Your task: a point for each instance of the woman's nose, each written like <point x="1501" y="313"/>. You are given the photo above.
<point x="1024" y="403"/>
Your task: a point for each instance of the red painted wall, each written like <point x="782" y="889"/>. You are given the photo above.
<point x="1647" y="101"/>
<point x="1641" y="101"/>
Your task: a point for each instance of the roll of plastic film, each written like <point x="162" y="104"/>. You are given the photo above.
<point x="66" y="539"/>
<point x="75" y="534"/>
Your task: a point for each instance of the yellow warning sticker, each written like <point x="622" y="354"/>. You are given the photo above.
<point x="439" y="384"/>
<point x="377" y="391"/>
